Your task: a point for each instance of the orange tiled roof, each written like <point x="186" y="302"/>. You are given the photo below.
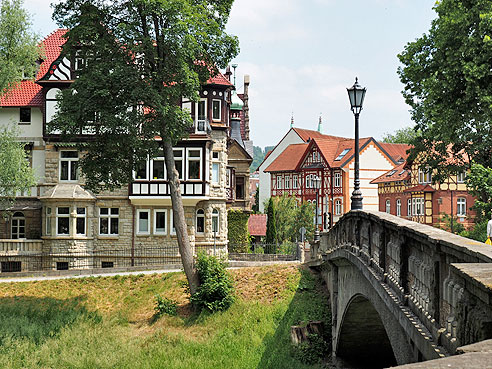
<point x="257" y="224"/>
<point x="398" y="173"/>
<point x="28" y="93"/>
<point x="307" y="134"/>
<point x="420" y="188"/>
<point x="396" y="151"/>
<point x="219" y="79"/>
<point x="288" y="159"/>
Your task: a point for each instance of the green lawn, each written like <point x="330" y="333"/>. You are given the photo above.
<point x="108" y="322"/>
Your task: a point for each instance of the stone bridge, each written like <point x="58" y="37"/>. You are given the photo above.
<point x="403" y="292"/>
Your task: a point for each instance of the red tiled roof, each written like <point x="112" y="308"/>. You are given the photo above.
<point x="396" y="151"/>
<point x="257" y="224"/>
<point x="219" y="79"/>
<point x="420" y="188"/>
<point x="307" y="134"/>
<point x="398" y="173"/>
<point x="28" y="93"/>
<point x="288" y="159"/>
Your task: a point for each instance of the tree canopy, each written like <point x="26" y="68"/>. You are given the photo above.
<point x="448" y="84"/>
<point x="19" y="49"/>
<point x="138" y="59"/>
<point x="16" y="175"/>
<point x="401" y="136"/>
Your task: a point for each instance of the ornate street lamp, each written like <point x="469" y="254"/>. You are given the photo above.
<point x="356" y="96"/>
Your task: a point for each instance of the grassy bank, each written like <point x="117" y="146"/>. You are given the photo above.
<point x="108" y="322"/>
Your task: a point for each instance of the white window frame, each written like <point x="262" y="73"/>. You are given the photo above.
<point x="151" y="173"/>
<point x="164" y="232"/>
<point x="216" y="220"/>
<point x="287" y="182"/>
<point x="461" y="207"/>
<point x="409" y="207"/>
<point x="139" y="231"/>
<point x="398" y="207"/>
<point x="220" y="110"/>
<point x="425" y="175"/>
<point x="182" y="160"/>
<point x="199" y="149"/>
<point x="147" y="174"/>
<point x="460" y="177"/>
<point x="48" y="212"/>
<point x="81" y="216"/>
<point x="388" y="206"/>
<point x="338" y="179"/>
<point x="199" y="213"/>
<point x="196" y="116"/>
<point x="58" y="216"/>
<point x="279" y="182"/>
<point x="110" y="216"/>
<point x="172" y="229"/>
<point x="338" y="207"/>
<point x="17" y="227"/>
<point x="70" y="163"/>
<point x="215" y="167"/>
<point x="294" y="182"/>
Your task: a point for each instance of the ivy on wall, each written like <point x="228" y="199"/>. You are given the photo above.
<point x="237" y="231"/>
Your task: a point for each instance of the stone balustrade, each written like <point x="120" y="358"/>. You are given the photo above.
<point x="427" y="270"/>
<point x="20" y="247"/>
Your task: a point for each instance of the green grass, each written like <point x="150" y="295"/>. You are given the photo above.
<point x="108" y="322"/>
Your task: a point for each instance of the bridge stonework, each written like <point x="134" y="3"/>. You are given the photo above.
<point x="403" y="292"/>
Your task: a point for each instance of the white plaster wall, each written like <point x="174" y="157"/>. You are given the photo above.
<point x="290" y="138"/>
<point x="372" y="164"/>
<point x="29" y="132"/>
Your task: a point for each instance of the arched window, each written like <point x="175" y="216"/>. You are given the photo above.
<point x="388" y="206"/>
<point x="398" y="207"/>
<point x="461" y="207"/>
<point x="215" y="221"/>
<point x="200" y="221"/>
<point x="338" y="207"/>
<point x="18" y="225"/>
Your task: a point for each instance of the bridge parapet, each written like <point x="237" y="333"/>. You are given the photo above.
<point x="429" y="271"/>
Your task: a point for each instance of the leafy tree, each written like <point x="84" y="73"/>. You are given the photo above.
<point x="19" y="49"/>
<point x="304" y="218"/>
<point x="141" y="57"/>
<point x="256" y="206"/>
<point x="401" y="136"/>
<point x="285" y="213"/>
<point x="479" y="184"/>
<point x="271" y="232"/>
<point x="448" y="84"/>
<point x="15" y="174"/>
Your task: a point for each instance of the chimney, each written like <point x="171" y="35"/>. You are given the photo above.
<point x="228" y="73"/>
<point x="246" y="107"/>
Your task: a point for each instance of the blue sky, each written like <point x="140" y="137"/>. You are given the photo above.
<point x="302" y="54"/>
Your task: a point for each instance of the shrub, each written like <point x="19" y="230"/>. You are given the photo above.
<point x="216" y="289"/>
<point x="478" y="232"/>
<point x="271" y="232"/>
<point x="313" y="350"/>
<point x="163" y="305"/>
<point x="237" y="231"/>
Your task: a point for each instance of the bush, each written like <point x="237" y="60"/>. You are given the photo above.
<point x="312" y="350"/>
<point x="163" y="305"/>
<point x="216" y="289"/>
<point x="478" y="232"/>
<point x="237" y="231"/>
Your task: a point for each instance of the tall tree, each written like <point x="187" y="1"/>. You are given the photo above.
<point x="19" y="49"/>
<point x="271" y="231"/>
<point x="16" y="175"/>
<point x="401" y="136"/>
<point x="141" y="57"/>
<point x="448" y="84"/>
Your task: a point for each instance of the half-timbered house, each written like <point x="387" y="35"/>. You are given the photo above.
<point x="321" y="172"/>
<point x="408" y="191"/>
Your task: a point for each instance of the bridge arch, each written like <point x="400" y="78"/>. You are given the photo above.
<point x="362" y="332"/>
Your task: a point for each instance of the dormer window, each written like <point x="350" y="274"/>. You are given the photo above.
<point x="342" y="154"/>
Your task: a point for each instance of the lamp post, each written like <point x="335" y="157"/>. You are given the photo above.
<point x="356" y="96"/>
